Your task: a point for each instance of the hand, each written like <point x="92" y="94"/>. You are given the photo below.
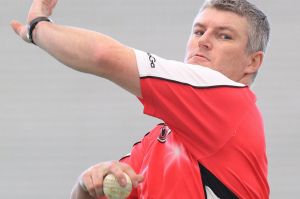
<point x="38" y="8"/>
<point x="92" y="179"/>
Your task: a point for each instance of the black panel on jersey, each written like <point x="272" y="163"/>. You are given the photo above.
<point x="208" y="179"/>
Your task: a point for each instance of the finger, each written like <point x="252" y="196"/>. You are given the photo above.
<point x="40" y="8"/>
<point x="53" y="4"/>
<point x="97" y="178"/>
<point x="88" y="182"/>
<point x="48" y="6"/>
<point x="135" y="178"/>
<point x="16" y="26"/>
<point x="117" y="170"/>
<point x="19" y="29"/>
<point x="82" y="185"/>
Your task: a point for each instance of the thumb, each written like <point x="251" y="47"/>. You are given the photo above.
<point x="19" y="29"/>
<point x="138" y="179"/>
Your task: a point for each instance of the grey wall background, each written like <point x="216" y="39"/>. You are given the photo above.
<point x="56" y="122"/>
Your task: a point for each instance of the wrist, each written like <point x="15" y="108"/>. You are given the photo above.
<point x="33" y="24"/>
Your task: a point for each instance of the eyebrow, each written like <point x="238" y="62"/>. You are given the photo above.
<point x="229" y="28"/>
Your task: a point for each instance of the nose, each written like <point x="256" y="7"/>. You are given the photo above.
<point x="205" y="41"/>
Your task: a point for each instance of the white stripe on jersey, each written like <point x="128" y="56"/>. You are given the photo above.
<point x="210" y="194"/>
<point x="194" y="75"/>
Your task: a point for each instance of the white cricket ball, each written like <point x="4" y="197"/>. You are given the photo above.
<point x="113" y="190"/>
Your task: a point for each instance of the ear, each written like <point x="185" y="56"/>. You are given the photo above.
<point x="255" y="61"/>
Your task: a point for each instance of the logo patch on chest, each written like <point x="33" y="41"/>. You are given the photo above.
<point x="165" y="131"/>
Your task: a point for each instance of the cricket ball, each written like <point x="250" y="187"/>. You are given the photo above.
<point x="113" y="190"/>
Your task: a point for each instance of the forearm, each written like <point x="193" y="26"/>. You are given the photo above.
<point x="80" y="49"/>
<point x="83" y="50"/>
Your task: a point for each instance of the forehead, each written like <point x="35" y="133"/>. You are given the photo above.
<point x="214" y="18"/>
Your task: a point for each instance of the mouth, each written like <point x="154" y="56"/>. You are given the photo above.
<point x="199" y="59"/>
<point x="202" y="57"/>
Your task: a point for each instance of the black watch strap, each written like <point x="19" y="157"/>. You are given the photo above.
<point x="32" y="25"/>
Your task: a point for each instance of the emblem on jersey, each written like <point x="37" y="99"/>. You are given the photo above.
<point x="152" y="60"/>
<point x="165" y="131"/>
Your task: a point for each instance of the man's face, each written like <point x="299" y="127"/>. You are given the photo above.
<point x="218" y="41"/>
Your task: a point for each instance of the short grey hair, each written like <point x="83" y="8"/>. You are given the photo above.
<point x="259" y="28"/>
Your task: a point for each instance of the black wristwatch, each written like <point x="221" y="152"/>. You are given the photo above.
<point x="32" y="25"/>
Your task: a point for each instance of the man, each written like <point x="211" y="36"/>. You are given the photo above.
<point x="212" y="142"/>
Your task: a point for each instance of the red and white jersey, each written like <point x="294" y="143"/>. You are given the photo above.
<point x="212" y="144"/>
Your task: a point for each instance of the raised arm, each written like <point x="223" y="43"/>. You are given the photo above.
<point x="82" y="50"/>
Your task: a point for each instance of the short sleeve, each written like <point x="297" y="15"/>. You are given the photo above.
<point x="202" y="106"/>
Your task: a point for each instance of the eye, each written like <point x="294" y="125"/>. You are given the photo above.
<point x="225" y="36"/>
<point x="199" y="32"/>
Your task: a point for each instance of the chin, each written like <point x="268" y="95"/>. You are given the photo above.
<point x="195" y="60"/>
<point x="201" y="63"/>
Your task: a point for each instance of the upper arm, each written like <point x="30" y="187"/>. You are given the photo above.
<point x="120" y="66"/>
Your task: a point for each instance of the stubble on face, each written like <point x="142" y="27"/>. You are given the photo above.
<point x="218" y="41"/>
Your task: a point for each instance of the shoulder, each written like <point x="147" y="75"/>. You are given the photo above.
<point x="153" y="66"/>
